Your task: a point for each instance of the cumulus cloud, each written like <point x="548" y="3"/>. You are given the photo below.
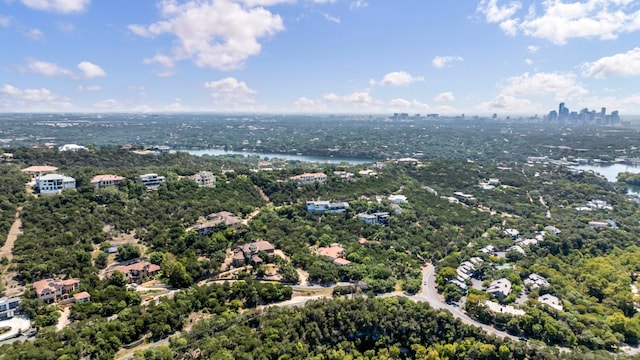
<point x="533" y="49"/>
<point x="87" y="88"/>
<point x="91" y="70"/>
<point x="558" y="21"/>
<point x="218" y="34"/>
<point x="30" y="99"/>
<point x="230" y="92"/>
<point x="440" y="62"/>
<point x="528" y="61"/>
<point x="563" y="86"/>
<point x="508" y="103"/>
<point x="444" y="97"/>
<point x="35" y="34"/>
<point x="309" y="105"/>
<point x="46" y="68"/>
<point x="398" y="78"/>
<point x="58" y="6"/>
<point x="356" y="101"/>
<point x="407" y="106"/>
<point x="623" y="65"/>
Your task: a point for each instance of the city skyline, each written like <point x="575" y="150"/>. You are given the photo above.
<point x="319" y="56"/>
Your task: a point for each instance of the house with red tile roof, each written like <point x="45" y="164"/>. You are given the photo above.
<point x="102" y="181"/>
<point x="138" y="271"/>
<point x="53" y="290"/>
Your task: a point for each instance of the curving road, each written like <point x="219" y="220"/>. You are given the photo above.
<point x="430" y="295"/>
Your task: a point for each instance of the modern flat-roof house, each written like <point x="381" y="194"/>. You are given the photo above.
<point x="308" y="178"/>
<point x="500" y="288"/>
<point x="249" y="253"/>
<point x="322" y="206"/>
<point x="54" y="183"/>
<point x="151" y="180"/>
<point x="598" y="224"/>
<point x="398" y="199"/>
<point x="465" y="198"/>
<point x="52" y="290"/>
<point x="103" y="181"/>
<point x="381" y="218"/>
<point x="204" y="178"/>
<point x="8" y="307"/>
<point x="138" y="271"/>
<point x="37" y="171"/>
<point x="513" y="233"/>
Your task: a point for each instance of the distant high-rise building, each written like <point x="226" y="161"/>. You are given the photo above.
<point x="603" y="112"/>
<point x="561" y="109"/>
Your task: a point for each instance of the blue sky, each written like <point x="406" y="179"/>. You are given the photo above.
<point x="320" y="56"/>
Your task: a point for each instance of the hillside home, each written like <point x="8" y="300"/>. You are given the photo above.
<point x="309" y="178"/>
<point x="381" y="218"/>
<point x="535" y="281"/>
<point x="598" y="224"/>
<point x="500" y="288"/>
<point x="551" y="301"/>
<point x="53" y="290"/>
<point x="513" y="233"/>
<point x="9" y="307"/>
<point x="37" y="171"/>
<point x="103" y="181"/>
<point x="465" y="198"/>
<point x="326" y="206"/>
<point x="139" y="271"/>
<point x="215" y="220"/>
<point x="151" y="180"/>
<point x="204" y="179"/>
<point x="398" y="199"/>
<point x="249" y="253"/>
<point x="54" y="183"/>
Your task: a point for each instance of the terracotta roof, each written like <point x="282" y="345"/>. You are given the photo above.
<point x="99" y="178"/>
<point x="52" y="285"/>
<point x="260" y="246"/>
<point x="39" y="168"/>
<point x="334" y="251"/>
<point x="340" y="261"/>
<point x="81" y="295"/>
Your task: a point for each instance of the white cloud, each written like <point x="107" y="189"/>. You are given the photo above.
<point x="331" y="18"/>
<point x="230" y="92"/>
<point x="59" y="6"/>
<point x="354" y="102"/>
<point x="308" y="105"/>
<point x="91" y="70"/>
<point x="533" y="49"/>
<point x="32" y="99"/>
<point x="88" y="88"/>
<point x="442" y="61"/>
<point x="562" y="85"/>
<point x="46" y="68"/>
<point x="444" y="97"/>
<point x="358" y="4"/>
<point x="509" y="104"/>
<point x="266" y="2"/>
<point x="5" y="21"/>
<point x="108" y="104"/>
<point x="622" y="65"/>
<point x="559" y="21"/>
<point x="35" y="34"/>
<point x="398" y="78"/>
<point x="407" y="106"/>
<point x="219" y="34"/>
<point x="528" y="61"/>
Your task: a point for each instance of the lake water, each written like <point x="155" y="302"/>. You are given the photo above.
<point x="611" y="172"/>
<point x="290" y="157"/>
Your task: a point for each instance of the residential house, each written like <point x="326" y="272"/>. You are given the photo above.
<point x="344" y="175"/>
<point x="204" y="179"/>
<point x="398" y="199"/>
<point x="552" y="229"/>
<point x="552" y="301"/>
<point x="381" y="218"/>
<point x="504" y="309"/>
<point x="215" y="220"/>
<point x="81" y="297"/>
<point x="513" y="233"/>
<point x="465" y="198"/>
<point x="308" y="178"/>
<point x="151" y="180"/>
<point x="326" y="206"/>
<point x="9" y="307"/>
<point x="335" y="252"/>
<point x="500" y="288"/>
<point x="535" y="281"/>
<point x="138" y="271"/>
<point x="518" y="249"/>
<point x="249" y="253"/>
<point x="493" y="181"/>
<point x="37" y="171"/>
<point x="54" y="183"/>
<point x="103" y="181"/>
<point x="367" y="172"/>
<point x="598" y="224"/>
<point x="53" y="290"/>
<point x="72" y="147"/>
<point x="489" y="250"/>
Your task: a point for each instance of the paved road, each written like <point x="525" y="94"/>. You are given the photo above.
<point x="430" y="295"/>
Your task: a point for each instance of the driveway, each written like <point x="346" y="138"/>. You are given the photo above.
<point x="17" y="324"/>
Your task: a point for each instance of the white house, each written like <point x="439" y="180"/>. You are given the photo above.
<point x="322" y="206"/>
<point x="8" y="307"/>
<point x="54" y="183"/>
<point x="72" y="147"/>
<point x="535" y="281"/>
<point x="398" y="199"/>
<point x="552" y="301"/>
<point x="308" y="178"/>
<point x="151" y="180"/>
<point x="204" y="178"/>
